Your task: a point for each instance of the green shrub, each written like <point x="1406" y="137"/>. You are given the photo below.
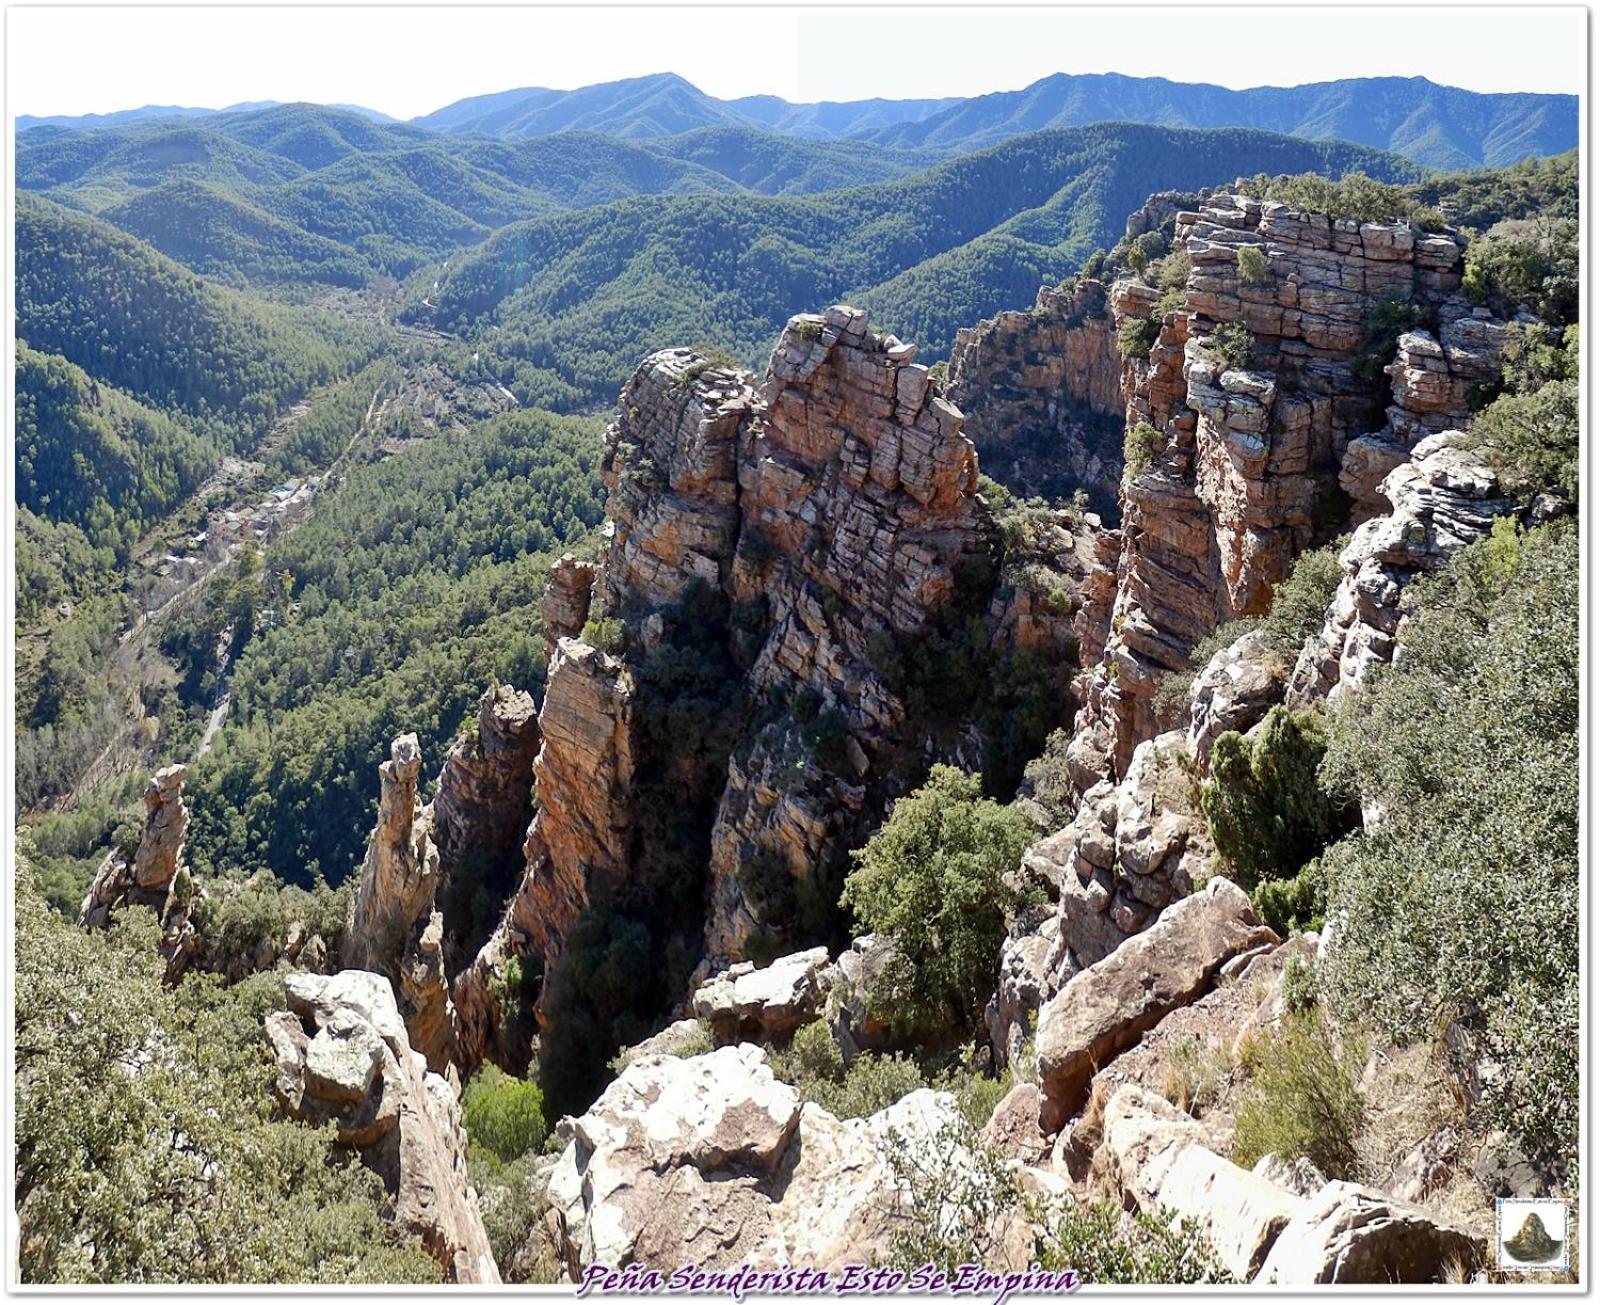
<point x="1531" y="440"/>
<point x="148" y="1146"/>
<point x="1105" y="1244"/>
<point x="1139" y="446"/>
<point x="1298" y="985"/>
<point x="1264" y="804"/>
<point x="812" y="1065"/>
<point x="605" y="633"/>
<point x="1381" y="328"/>
<point x="1172" y="272"/>
<point x="1355" y="195"/>
<point x="1252" y="260"/>
<point x="1137" y="336"/>
<point x="938" y="879"/>
<point x="1463" y="901"/>
<point x="1047" y="779"/>
<point x="954" y="1195"/>
<point x="503" y="1115"/>
<point x="1232" y="343"/>
<point x="1296" y="903"/>
<point x="1302" y="1099"/>
<point x="1526" y="264"/>
<point x="1300" y="600"/>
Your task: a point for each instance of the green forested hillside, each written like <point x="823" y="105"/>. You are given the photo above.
<point x="91" y="456"/>
<point x="131" y="317"/>
<point x="227" y="238"/>
<point x="578" y="297"/>
<point x="415" y="585"/>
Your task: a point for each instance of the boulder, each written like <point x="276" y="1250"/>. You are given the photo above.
<point x="1106" y="1008"/>
<point x="1349" y="1233"/>
<point x="1159" y="1160"/>
<point x="749" y="1004"/>
<point x="343" y="1057"/>
<point x="712" y="1161"/>
<point x="1238" y="686"/>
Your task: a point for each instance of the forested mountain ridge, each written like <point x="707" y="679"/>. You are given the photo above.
<point x="130" y="316"/>
<point x="1440" y="126"/>
<point x="929" y="253"/>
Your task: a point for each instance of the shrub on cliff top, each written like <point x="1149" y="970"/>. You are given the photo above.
<point x="938" y="879"/>
<point x="1463" y="900"/>
<point x="1266" y="809"/>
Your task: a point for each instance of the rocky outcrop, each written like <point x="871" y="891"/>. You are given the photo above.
<point x="712" y="1161"/>
<point x="1443" y="497"/>
<point x="1348" y="1233"/>
<point x="1133" y="848"/>
<point x="1433" y="376"/>
<point x="747" y="1004"/>
<point x="564" y="609"/>
<point x="155" y="876"/>
<point x="1246" y="448"/>
<point x="671" y="466"/>
<point x="394" y="927"/>
<point x="578" y="843"/>
<point x="1105" y="1008"/>
<point x="401" y="869"/>
<point x="1237" y="687"/>
<point x="1261" y="1231"/>
<point x="1041" y="393"/>
<point x="343" y="1058"/>
<point x="1159" y="1160"/>
<point x="859" y="516"/>
<point x="481" y="813"/>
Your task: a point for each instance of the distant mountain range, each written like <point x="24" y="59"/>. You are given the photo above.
<point x="1438" y="126"/>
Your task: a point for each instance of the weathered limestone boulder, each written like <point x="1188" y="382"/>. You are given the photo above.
<point x="712" y="1161"/>
<point x="1105" y="1008"/>
<point x="1238" y="686"/>
<point x="564" y="609"/>
<point x="1444" y="497"/>
<point x="156" y="877"/>
<point x="481" y="813"/>
<point x="747" y="1004"/>
<point x="343" y="1057"/>
<point x="1132" y="848"/>
<point x="1348" y="1233"/>
<point x="1246" y="449"/>
<point x="579" y="840"/>
<point x="1013" y="1128"/>
<point x="1041" y="391"/>
<point x="394" y="928"/>
<point x="1158" y="1157"/>
<point x="861" y="993"/>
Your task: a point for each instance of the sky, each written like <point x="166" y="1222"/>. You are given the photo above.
<point x="408" y="61"/>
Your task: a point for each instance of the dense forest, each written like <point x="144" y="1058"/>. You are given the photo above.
<point x="412" y="589"/>
<point x="565" y="304"/>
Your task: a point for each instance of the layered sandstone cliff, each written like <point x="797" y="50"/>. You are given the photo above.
<point x="1253" y="393"/>
<point x="1041" y="393"/>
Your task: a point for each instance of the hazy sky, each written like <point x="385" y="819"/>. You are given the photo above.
<point x="407" y="61"/>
